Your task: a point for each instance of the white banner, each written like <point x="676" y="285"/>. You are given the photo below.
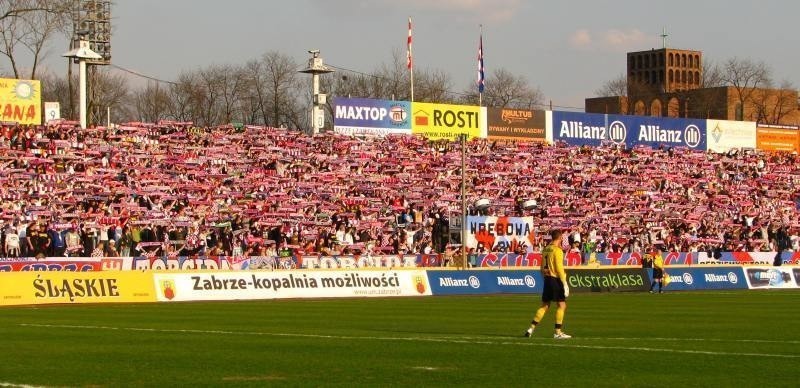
<point x="289" y="284"/>
<point x="724" y="135"/>
<point x="500" y="234"/>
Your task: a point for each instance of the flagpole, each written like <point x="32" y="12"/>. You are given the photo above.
<point x="480" y="68"/>
<point x="410" y="60"/>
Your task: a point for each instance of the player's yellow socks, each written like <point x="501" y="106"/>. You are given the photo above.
<point x="559" y="316"/>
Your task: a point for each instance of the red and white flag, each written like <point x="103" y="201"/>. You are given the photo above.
<point x="409" y="61"/>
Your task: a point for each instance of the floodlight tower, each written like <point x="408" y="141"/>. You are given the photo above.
<point x="315" y="68"/>
<point x="83" y="53"/>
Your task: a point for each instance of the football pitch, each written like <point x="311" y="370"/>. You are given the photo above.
<point x="723" y="338"/>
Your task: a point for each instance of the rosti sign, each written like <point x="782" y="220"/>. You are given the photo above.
<point x="441" y="121"/>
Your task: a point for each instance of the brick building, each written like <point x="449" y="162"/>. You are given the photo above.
<point x="669" y="82"/>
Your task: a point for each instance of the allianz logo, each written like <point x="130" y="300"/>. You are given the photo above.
<point x="729" y="278"/>
<point x="528" y="281"/>
<point x="472" y="281"/>
<point x="686" y="278"/>
<point x="616" y="131"/>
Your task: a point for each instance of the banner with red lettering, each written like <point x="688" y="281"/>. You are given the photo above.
<point x="500" y="234"/>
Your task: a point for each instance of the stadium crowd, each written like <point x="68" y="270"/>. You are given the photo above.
<point x="175" y="189"/>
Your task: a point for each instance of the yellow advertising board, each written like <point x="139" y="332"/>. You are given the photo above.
<point x="49" y="287"/>
<point x="20" y="101"/>
<point x="442" y="121"/>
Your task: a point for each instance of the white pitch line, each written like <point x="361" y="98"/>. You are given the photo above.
<point x="453" y="340"/>
<point x="12" y="385"/>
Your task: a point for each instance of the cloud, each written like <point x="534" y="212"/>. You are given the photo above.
<point x="580" y="39"/>
<point x="624" y="40"/>
<point x="472" y="10"/>
<point x="613" y="40"/>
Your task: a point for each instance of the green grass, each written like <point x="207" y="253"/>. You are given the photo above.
<point x="676" y="339"/>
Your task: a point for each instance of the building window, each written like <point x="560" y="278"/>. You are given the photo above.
<point x="683" y="76"/>
<point x="671" y="59"/>
<point x="697" y="61"/>
<point x="673" y="107"/>
<point x="655" y="108"/>
<point x="639" y="108"/>
<point x="691" y="60"/>
<point x="671" y="78"/>
<point x="697" y="78"/>
<point x="661" y="60"/>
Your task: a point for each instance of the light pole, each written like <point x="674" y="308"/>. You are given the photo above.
<point x="83" y="53"/>
<point x="318" y="100"/>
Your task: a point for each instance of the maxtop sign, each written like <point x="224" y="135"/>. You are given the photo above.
<point x="363" y="116"/>
<point x="20" y="101"/>
<point x="441" y="121"/>
<point x="657" y="132"/>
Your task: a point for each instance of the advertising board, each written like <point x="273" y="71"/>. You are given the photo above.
<point x="371" y="117"/>
<point x="583" y="129"/>
<point x="658" y="132"/>
<point x="770" y="277"/>
<point x="22" y="288"/>
<point x="705" y="278"/>
<point x="724" y="135"/>
<point x="442" y="121"/>
<point x="516" y="124"/>
<point x="20" y="101"/>
<point x="484" y="282"/>
<point x="248" y="285"/>
<point x="608" y="279"/>
<point x="774" y="138"/>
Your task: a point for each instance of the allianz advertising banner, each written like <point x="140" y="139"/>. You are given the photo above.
<point x="724" y="135"/>
<point x="585" y="129"/>
<point x="369" y="117"/>
<point x="441" y="121"/>
<point x="658" y="131"/>
<point x="484" y="282"/>
<point x="708" y="278"/>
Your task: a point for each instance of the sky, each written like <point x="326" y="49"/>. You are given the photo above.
<point x="567" y="49"/>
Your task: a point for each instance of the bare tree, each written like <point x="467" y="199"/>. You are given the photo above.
<point x="185" y="95"/>
<point x="108" y="91"/>
<point x="433" y="86"/>
<point x="284" y="87"/>
<point x="152" y="103"/>
<point x="506" y="90"/>
<point x="56" y="89"/>
<point x="745" y="76"/>
<point x="30" y="24"/>
<point x="772" y="105"/>
<point x="231" y="85"/>
<point x="614" y="87"/>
